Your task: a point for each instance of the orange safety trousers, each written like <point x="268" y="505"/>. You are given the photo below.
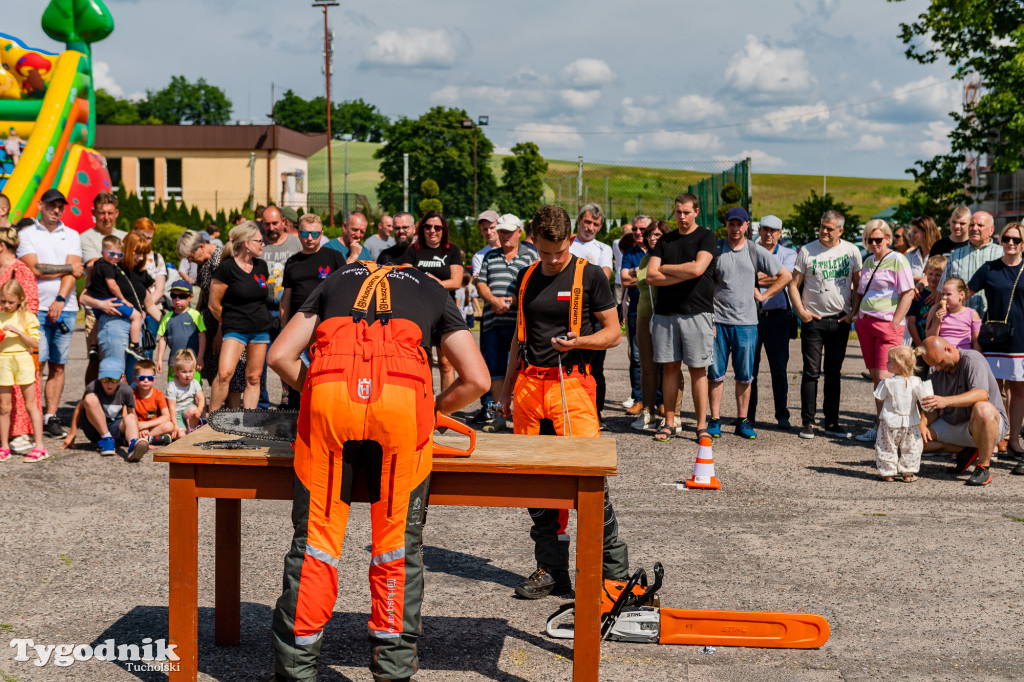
<point x="368" y="407"/>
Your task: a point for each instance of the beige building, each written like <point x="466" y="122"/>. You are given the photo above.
<point x="210" y="167"/>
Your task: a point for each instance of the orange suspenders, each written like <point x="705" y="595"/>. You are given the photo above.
<point x="575" y="302"/>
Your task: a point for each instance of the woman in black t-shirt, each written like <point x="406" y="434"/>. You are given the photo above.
<point x="238" y="299"/>
<point x="435" y="255"/>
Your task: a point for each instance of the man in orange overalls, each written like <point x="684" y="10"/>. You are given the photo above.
<point x="367" y="404"/>
<point x="557" y="301"/>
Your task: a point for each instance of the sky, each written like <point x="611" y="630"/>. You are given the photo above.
<point x="803" y="86"/>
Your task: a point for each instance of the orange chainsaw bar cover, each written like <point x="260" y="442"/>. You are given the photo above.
<point x="743" y="628"/>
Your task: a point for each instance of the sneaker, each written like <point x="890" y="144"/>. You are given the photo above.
<point x="159" y="441"/>
<point x="868" y="436"/>
<point x="643" y="422"/>
<point x="137" y="449"/>
<point x="480" y="417"/>
<point x="628" y="403"/>
<point x="54" y="429"/>
<point x="94" y="353"/>
<point x="1018" y="470"/>
<point x="745" y="430"/>
<point x="496" y="425"/>
<point x="807" y="432"/>
<point x="22" y="444"/>
<point x="715" y="428"/>
<point x="541" y="584"/>
<point x="636" y="408"/>
<point x="964" y="459"/>
<point x="834" y="431"/>
<point x="37" y="455"/>
<point x="981" y="476"/>
<point x="784" y="425"/>
<point x="107" y="447"/>
<point x="135" y="350"/>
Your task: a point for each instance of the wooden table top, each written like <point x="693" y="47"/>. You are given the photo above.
<point x="494" y="453"/>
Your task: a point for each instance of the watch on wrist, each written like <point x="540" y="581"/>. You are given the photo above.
<point x="59" y="299"/>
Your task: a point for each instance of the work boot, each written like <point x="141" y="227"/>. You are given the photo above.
<point x="635" y="408"/>
<point x="542" y="584"/>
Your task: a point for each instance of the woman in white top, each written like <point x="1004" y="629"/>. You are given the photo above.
<point x="923" y="235"/>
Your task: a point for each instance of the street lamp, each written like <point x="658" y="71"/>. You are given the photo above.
<point x="347" y="137"/>
<point x="468" y="123"/>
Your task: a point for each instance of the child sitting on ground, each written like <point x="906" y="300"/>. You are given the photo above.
<point x="105" y="285"/>
<point x="154" y="415"/>
<point x="20" y="335"/>
<point x="181" y="328"/>
<point x="899" y="423"/>
<point x="185" y="395"/>
<point x="106" y="413"/>
<point x="952" y="320"/>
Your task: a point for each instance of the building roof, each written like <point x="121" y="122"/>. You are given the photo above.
<point x="188" y="137"/>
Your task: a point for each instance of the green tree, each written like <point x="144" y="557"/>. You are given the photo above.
<point x="522" y="180"/>
<point x="299" y="114"/>
<point x="439" y="148"/>
<point x="364" y="121"/>
<point x="110" y="109"/>
<point x="199" y="103"/>
<point x="430" y="202"/>
<point x="805" y="220"/>
<point x="981" y="39"/>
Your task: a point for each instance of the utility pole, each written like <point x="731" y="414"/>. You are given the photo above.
<point x="405" y="182"/>
<point x="328" y="54"/>
<point x="579" y="187"/>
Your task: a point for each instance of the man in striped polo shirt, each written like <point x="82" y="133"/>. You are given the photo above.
<point x="965" y="261"/>
<point x="496" y="283"/>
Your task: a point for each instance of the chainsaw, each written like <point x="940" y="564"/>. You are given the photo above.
<point x="282" y="426"/>
<point x="631" y="612"/>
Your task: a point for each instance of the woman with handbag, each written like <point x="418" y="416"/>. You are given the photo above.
<point x="880" y="305"/>
<point x="1002" y="333"/>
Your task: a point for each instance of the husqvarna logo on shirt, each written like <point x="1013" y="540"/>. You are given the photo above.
<point x="261" y="280"/>
<point x="364" y="388"/>
<point x="324" y="271"/>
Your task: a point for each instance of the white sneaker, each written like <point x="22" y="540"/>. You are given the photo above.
<point x="628" y="403"/>
<point x="868" y="436"/>
<point x="643" y="422"/>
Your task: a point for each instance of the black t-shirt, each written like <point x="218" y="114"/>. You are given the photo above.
<point x="944" y="247"/>
<point x="437" y="261"/>
<point x="244" y="304"/>
<point x="694" y="295"/>
<point x="392" y="255"/>
<point x="141" y="282"/>
<point x="303" y="273"/>
<point x="547" y="302"/>
<point x="414" y="297"/>
<point x="101" y="272"/>
<point x="112" y="404"/>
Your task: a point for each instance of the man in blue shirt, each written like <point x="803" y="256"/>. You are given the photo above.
<point x="773" y="320"/>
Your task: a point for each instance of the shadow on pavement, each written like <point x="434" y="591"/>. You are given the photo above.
<point x="462" y="565"/>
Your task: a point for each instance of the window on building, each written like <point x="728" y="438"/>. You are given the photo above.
<point x="114" y="169"/>
<point x="173" y="190"/>
<point x="147" y="178"/>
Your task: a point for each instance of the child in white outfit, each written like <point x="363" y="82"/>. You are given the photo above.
<point x="899" y="422"/>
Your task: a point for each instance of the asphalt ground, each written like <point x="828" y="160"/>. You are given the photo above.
<point x="919" y="581"/>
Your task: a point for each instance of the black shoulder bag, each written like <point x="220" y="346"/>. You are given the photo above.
<point x="146" y="339"/>
<point x="996" y="336"/>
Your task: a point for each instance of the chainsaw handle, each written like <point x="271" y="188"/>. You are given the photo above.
<point x="443" y="421"/>
<point x="621" y="601"/>
<point x="659" y="573"/>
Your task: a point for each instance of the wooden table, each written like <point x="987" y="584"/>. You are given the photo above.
<point x="504" y="471"/>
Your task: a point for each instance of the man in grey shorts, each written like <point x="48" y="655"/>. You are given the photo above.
<point x="966" y="410"/>
<point x="682" y="265"/>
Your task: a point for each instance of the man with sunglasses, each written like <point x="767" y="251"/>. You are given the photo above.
<point x="964" y="261"/>
<point x="404" y="234"/>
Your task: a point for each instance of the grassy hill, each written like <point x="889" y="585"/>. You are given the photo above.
<point x="773" y="192"/>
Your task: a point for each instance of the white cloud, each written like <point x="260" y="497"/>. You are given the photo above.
<point x="579" y="100"/>
<point x="938" y="96"/>
<point x="761" y="70"/>
<point x="870" y="143"/>
<point x="782" y="121"/>
<point x="416" y="48"/>
<point x="101" y="78"/>
<point x="549" y="135"/>
<point x="588" y="73"/>
<point x="657" y="111"/>
<point x="937" y="142"/>
<point x="668" y="140"/>
<point x="761" y="160"/>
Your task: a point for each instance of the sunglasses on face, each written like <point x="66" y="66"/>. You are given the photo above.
<point x="432" y="228"/>
<point x="178" y="297"/>
<point x="114" y="254"/>
<point x="1007" y="239"/>
<point x="107" y="380"/>
<point x="310" y="234"/>
<point x="876" y="240"/>
<point x="145" y="377"/>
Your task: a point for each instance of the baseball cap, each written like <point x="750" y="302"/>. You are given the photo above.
<point x="51" y="196"/>
<point x="771" y="222"/>
<point x="509" y="223"/>
<point x="490" y="216"/>
<point x="291" y="214"/>
<point x="110" y="368"/>
<point x="181" y="285"/>
<point x="737" y="213"/>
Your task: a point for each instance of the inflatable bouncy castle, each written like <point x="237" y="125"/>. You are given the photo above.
<point x="47" y="117"/>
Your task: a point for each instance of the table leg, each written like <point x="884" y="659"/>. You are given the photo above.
<point x="183" y="561"/>
<point x="227" y="581"/>
<point x="589" y="541"/>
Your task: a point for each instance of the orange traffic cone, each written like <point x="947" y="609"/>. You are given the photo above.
<point x="704" y="468"/>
